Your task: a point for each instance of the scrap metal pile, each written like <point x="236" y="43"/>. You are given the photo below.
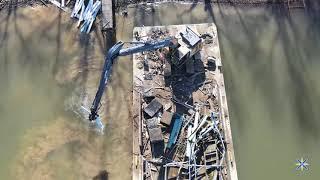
<point x="85" y="11"/>
<point x="182" y="133"/>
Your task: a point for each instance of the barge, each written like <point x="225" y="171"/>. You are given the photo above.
<point x="181" y="125"/>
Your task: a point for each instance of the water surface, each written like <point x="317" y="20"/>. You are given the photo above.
<point x="271" y="71"/>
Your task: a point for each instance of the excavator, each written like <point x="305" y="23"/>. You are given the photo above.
<point x="115" y="51"/>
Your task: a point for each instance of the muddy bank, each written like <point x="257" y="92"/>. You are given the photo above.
<point x="124" y="3"/>
<point x="119" y="4"/>
<point x="12" y="4"/>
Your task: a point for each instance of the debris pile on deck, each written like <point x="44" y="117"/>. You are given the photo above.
<point x="182" y="134"/>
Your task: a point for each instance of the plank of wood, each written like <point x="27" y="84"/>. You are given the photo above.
<point x="107" y="14"/>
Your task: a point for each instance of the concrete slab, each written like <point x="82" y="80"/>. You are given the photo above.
<point x="166" y="118"/>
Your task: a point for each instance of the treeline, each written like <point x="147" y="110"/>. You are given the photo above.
<point x="13" y="4"/>
<point x="123" y="3"/>
<point x="127" y="2"/>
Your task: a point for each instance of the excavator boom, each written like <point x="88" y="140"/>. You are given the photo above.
<point x="113" y="53"/>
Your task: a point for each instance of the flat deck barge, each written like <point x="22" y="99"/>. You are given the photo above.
<point x="181" y="125"/>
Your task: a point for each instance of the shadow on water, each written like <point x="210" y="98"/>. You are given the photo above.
<point x="295" y="58"/>
<point x="297" y="63"/>
<point x="4" y="43"/>
<point x="104" y="40"/>
<point x="194" y="4"/>
<point x="313" y="13"/>
<point x="103" y="175"/>
<point x="24" y="41"/>
<point x="58" y="42"/>
<point x="84" y="40"/>
<point x="243" y="49"/>
<point x="156" y="20"/>
<point x="208" y="7"/>
<point x="302" y="90"/>
<point x="4" y="33"/>
<point x="27" y="56"/>
<point x="138" y="13"/>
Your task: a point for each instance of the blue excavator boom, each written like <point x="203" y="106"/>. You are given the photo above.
<point x="113" y="53"/>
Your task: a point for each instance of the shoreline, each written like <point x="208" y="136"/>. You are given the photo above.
<point x="249" y="3"/>
<point x="123" y="5"/>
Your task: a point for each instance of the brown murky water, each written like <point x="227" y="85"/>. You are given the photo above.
<point x="271" y="68"/>
<point x="45" y="65"/>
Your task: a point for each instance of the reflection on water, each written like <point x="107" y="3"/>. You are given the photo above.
<point x="271" y="68"/>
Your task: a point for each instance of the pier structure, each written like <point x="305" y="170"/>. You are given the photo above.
<point x="86" y="12"/>
<point x="60" y="4"/>
<point x="107" y="14"/>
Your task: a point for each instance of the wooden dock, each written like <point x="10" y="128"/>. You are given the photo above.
<point x="107" y="14"/>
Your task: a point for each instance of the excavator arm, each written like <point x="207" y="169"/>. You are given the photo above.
<point x="113" y="53"/>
